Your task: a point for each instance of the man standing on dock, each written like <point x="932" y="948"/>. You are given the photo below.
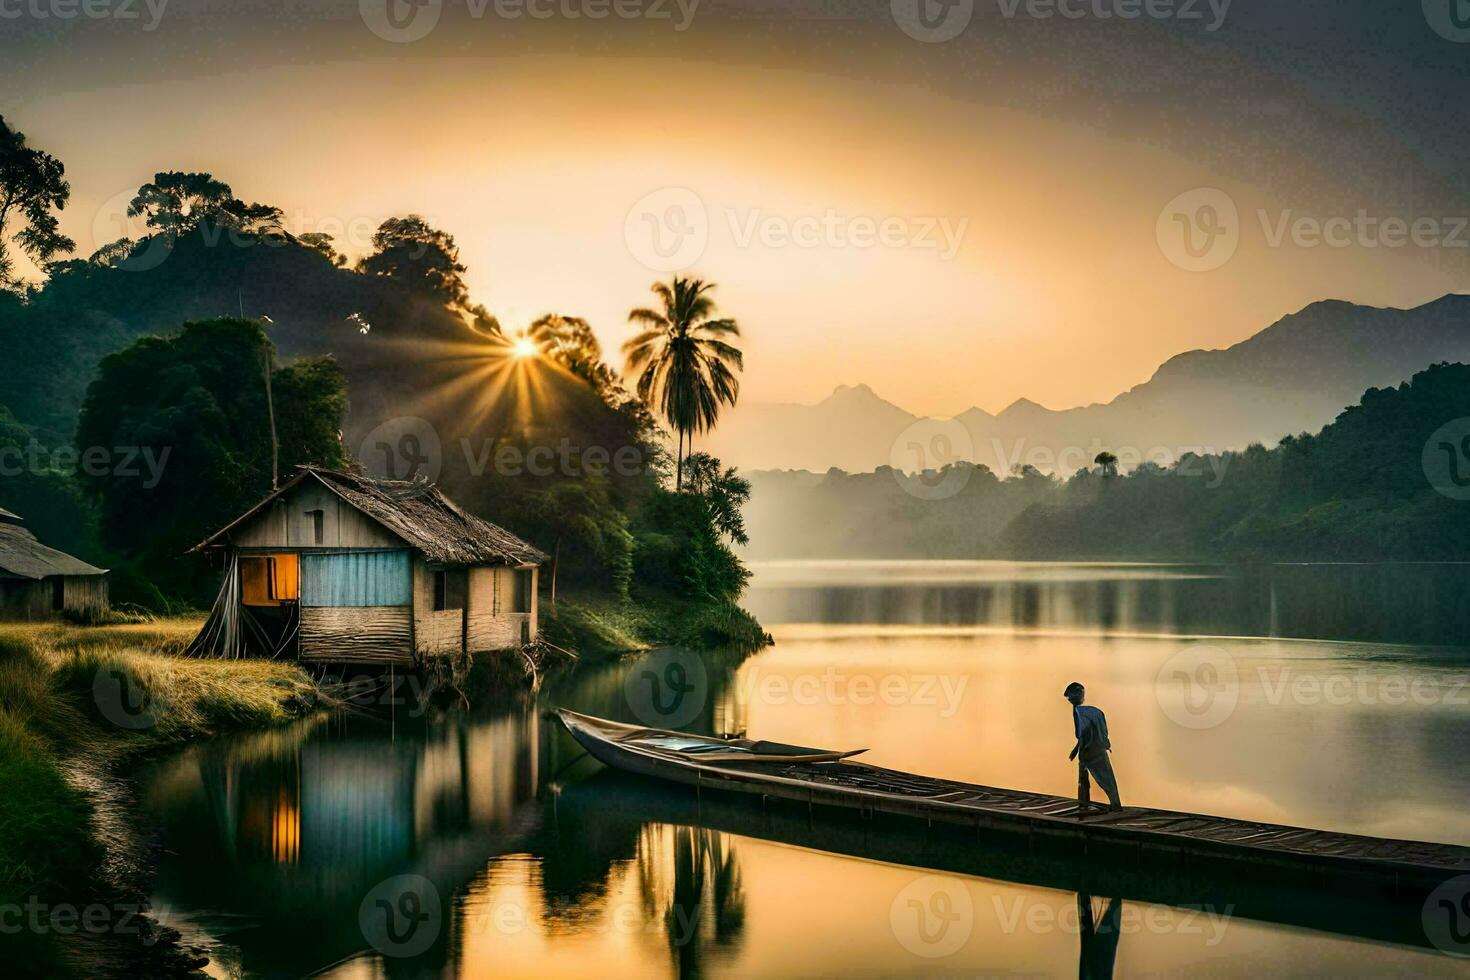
<point x="1091" y="727"/>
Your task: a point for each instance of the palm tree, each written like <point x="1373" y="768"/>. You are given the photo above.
<point x="1108" y="462"/>
<point x="685" y="366"/>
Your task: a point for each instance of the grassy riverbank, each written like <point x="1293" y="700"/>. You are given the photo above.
<point x="600" y="627"/>
<point x="75" y="701"/>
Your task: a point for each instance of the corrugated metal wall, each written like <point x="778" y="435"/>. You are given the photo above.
<point x="366" y="578"/>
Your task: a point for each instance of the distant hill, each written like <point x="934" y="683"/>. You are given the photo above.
<point x="1292" y="377"/>
<point x="1389" y="479"/>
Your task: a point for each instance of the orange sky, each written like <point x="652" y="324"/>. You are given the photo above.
<point x="1023" y="255"/>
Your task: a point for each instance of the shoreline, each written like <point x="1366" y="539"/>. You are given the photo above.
<point x="80" y="704"/>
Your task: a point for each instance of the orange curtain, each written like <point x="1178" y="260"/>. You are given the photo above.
<point x="255" y="582"/>
<point x="286" y="570"/>
<point x="270" y="580"/>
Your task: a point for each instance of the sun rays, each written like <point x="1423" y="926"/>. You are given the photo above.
<point x="485" y="377"/>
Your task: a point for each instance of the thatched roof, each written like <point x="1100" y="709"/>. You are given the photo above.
<point x="416" y="511"/>
<point x="22" y="556"/>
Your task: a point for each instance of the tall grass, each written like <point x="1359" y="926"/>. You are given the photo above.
<point x="44" y="840"/>
<point x="60" y="698"/>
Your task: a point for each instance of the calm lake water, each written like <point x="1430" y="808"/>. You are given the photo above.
<point x="484" y="844"/>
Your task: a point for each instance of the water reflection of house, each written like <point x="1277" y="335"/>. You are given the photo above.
<point x="338" y="567"/>
<point x="330" y="803"/>
<point x="37" y="582"/>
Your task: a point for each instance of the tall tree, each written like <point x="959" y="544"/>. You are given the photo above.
<point x="418" y="255"/>
<point x="190" y="411"/>
<point x="687" y="369"/>
<point x="570" y="342"/>
<point x="174" y="202"/>
<point x="32" y="189"/>
<point x="724" y="490"/>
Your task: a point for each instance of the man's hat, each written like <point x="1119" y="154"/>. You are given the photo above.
<point x="1073" y="688"/>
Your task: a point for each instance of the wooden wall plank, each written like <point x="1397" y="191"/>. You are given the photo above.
<point x="357" y="634"/>
<point x="286" y="523"/>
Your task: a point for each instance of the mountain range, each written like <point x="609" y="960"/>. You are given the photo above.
<point x="1294" y="376"/>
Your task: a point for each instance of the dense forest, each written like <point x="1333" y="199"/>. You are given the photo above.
<point x="136" y="408"/>
<point x="1387" y="480"/>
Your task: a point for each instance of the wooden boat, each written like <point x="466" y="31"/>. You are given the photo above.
<point x="823" y="777"/>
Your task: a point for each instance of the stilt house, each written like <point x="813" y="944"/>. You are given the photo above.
<point x="337" y="567"/>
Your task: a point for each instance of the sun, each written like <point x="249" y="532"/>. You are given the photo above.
<point x="523" y="348"/>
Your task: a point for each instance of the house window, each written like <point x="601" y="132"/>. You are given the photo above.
<point x="521" y="594"/>
<point x="269" y="580"/>
<point x="58" y="593"/>
<point x="450" y="587"/>
<point x="315" y="520"/>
